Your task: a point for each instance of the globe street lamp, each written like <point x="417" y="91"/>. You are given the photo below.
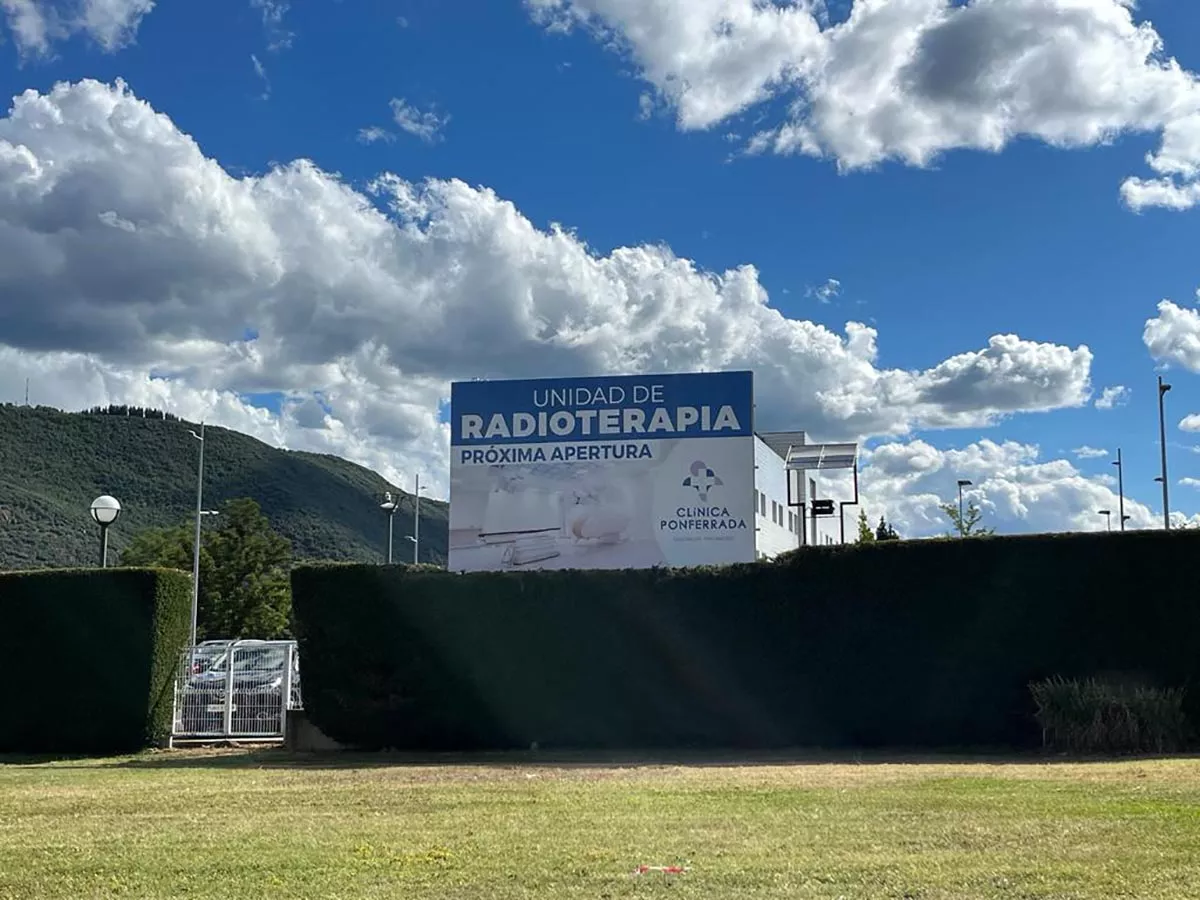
<point x="105" y="510"/>
<point x="389" y="506"/>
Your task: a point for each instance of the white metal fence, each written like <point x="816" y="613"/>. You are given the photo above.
<point x="236" y="690"/>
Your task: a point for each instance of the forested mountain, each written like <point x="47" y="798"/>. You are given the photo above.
<point x="53" y="464"/>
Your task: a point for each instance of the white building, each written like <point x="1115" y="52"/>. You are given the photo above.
<point x="780" y="457"/>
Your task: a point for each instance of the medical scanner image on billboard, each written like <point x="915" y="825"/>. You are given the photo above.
<point x="604" y="472"/>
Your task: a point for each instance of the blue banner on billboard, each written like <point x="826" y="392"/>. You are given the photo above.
<point x="604" y="408"/>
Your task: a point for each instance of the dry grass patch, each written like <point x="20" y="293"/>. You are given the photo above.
<point x="208" y="824"/>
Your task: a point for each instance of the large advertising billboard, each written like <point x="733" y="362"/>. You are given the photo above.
<point x="612" y="472"/>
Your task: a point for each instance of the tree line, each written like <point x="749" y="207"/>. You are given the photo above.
<point x="143" y="412"/>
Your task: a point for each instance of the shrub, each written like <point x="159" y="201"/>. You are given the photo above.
<point x="918" y="644"/>
<point x="91" y="655"/>
<point x="1097" y="716"/>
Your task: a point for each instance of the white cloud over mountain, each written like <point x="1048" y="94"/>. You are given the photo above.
<point x="908" y="80"/>
<point x="137" y="270"/>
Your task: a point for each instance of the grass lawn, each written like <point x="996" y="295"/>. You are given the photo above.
<point x="208" y="824"/>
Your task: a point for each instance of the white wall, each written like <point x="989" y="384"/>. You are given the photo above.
<point x="770" y="482"/>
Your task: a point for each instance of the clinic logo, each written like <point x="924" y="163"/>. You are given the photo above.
<point x="702" y="478"/>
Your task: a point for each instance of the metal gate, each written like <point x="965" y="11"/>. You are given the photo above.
<point x="236" y="690"/>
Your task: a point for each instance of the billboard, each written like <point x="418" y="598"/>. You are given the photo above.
<point x="612" y="472"/>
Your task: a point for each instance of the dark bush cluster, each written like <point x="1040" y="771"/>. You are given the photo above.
<point x="91" y="657"/>
<point x="918" y="644"/>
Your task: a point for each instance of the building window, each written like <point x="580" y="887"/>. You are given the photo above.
<point x="762" y="504"/>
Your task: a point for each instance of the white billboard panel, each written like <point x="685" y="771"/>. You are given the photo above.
<point x="611" y="472"/>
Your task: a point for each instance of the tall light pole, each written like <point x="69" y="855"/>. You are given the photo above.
<point x="196" y="539"/>
<point x="416" y="535"/>
<point x="1107" y="513"/>
<point x="1162" y="439"/>
<point x="962" y="483"/>
<point x="1120" y="489"/>
<point x="105" y="510"/>
<point x="389" y="506"/>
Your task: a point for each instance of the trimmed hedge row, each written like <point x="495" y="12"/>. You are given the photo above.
<point x="90" y="656"/>
<point x="922" y="644"/>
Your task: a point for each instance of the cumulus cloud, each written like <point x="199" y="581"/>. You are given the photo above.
<point x="138" y="268"/>
<point x="1112" y="397"/>
<point x="1086" y="452"/>
<point x="36" y="24"/>
<point x="1190" y="422"/>
<point x="1190" y="482"/>
<point x="1014" y="488"/>
<point x="424" y="124"/>
<point x="1173" y="336"/>
<point x="909" y="80"/>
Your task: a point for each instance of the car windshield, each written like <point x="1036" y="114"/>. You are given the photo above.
<point x="253" y="659"/>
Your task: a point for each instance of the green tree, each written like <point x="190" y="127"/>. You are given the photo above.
<point x="244" y="571"/>
<point x="865" y="534"/>
<point x="966" y="525"/>
<point x="885" y="531"/>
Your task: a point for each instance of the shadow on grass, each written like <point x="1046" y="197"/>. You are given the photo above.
<point x="277" y="757"/>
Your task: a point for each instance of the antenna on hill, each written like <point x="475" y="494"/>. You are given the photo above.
<point x="26" y="391"/>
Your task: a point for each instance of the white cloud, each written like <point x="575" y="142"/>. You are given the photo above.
<point x="1174" y="336"/>
<point x="425" y="125"/>
<point x="273" y="13"/>
<point x="1112" y="397"/>
<point x="375" y="133"/>
<point x="909" y="80"/>
<point x="1190" y="482"/>
<point x="1016" y="491"/>
<point x="261" y="71"/>
<point x="1086" y="452"/>
<point x="645" y="106"/>
<point x="1190" y="422"/>
<point x="830" y="289"/>
<point x="130" y="255"/>
<point x="36" y="24"/>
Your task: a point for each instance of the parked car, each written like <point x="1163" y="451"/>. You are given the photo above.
<point x="205" y="654"/>
<point x="257" y="681"/>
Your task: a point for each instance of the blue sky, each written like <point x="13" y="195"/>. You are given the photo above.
<point x="1028" y="239"/>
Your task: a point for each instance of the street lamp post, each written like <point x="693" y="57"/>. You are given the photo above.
<point x="1162" y="439"/>
<point x="1120" y="490"/>
<point x="389" y="506"/>
<point x="105" y="510"/>
<point x="1107" y="513"/>
<point x="196" y="538"/>
<point x="416" y="535"/>
<point x="962" y="483"/>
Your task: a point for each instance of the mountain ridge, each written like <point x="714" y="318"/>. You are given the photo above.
<point x="54" y="463"/>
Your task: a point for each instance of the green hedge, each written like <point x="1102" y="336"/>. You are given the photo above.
<point x="90" y="657"/>
<point x="913" y="643"/>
